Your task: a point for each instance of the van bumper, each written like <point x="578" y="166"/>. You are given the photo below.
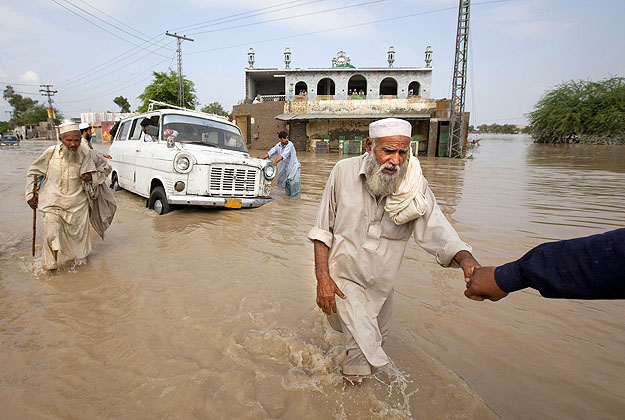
<point x="229" y="202"/>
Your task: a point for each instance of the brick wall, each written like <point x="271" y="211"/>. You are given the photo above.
<point x="264" y="129"/>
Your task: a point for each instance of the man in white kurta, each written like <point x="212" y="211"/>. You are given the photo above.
<point x="372" y="204"/>
<point x="62" y="199"/>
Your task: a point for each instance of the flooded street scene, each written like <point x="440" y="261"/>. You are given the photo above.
<point x="312" y="210"/>
<point x="204" y="313"/>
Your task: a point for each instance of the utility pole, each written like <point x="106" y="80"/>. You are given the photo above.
<point x="49" y="93"/>
<point x="180" y="38"/>
<point x="458" y="90"/>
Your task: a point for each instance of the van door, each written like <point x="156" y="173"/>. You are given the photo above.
<point x="145" y="158"/>
<point x="131" y="154"/>
<point x="119" y="152"/>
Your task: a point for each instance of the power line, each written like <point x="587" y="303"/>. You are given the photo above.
<point x="89" y="81"/>
<point x="444" y="9"/>
<point x="16" y="84"/>
<point x="200" y="24"/>
<point x="289" y="17"/>
<point x="118" y="21"/>
<point x="104" y="66"/>
<point x="104" y="29"/>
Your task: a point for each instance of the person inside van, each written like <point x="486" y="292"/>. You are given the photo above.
<point x="144" y="127"/>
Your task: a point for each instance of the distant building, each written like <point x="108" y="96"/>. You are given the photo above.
<point x="102" y="122"/>
<point x="336" y="104"/>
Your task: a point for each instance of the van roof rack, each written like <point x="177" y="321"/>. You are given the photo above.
<point x="166" y="105"/>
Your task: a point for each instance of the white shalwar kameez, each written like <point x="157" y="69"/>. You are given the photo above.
<point x="365" y="252"/>
<point x="63" y="203"/>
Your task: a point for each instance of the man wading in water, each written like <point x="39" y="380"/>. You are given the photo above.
<point x="62" y="199"/>
<point x="371" y="206"/>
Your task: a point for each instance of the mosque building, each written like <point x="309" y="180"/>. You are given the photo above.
<point x="329" y="109"/>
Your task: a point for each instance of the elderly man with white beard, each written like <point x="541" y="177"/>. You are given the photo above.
<point x="372" y="204"/>
<point x="62" y="199"/>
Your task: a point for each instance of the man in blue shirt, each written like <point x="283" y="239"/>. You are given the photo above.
<point x="579" y="268"/>
<point x="283" y="154"/>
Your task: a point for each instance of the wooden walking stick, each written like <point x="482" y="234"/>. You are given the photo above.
<point x="36" y="200"/>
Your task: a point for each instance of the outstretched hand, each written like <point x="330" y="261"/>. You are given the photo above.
<point x="482" y="285"/>
<point x="326" y="289"/>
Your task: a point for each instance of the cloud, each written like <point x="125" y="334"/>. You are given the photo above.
<point x="523" y="21"/>
<point x="3" y="75"/>
<point x="29" y="77"/>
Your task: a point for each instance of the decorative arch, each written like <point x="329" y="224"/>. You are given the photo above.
<point x="388" y="87"/>
<point x="414" y="89"/>
<point x="326" y="87"/>
<point x="301" y="88"/>
<point x="357" y="85"/>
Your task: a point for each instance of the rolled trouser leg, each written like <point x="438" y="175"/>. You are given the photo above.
<point x="355" y="363"/>
<point x="385" y="316"/>
<point x="52" y="226"/>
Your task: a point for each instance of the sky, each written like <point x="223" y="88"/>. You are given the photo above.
<point x="91" y="52"/>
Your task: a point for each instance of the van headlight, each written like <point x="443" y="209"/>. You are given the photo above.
<point x="270" y="171"/>
<point x="183" y="163"/>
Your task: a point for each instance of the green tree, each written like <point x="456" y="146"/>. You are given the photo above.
<point x="581" y="111"/>
<point x="5" y="126"/>
<point x="122" y="103"/>
<point x="26" y="110"/>
<point x="164" y="88"/>
<point x="215" y="108"/>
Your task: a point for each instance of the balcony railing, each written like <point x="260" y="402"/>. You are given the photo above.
<point x="271" y="98"/>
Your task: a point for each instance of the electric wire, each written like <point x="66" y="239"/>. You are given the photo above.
<point x="289" y="17"/>
<point x="238" y="15"/>
<point x="119" y="21"/>
<point x="104" y="29"/>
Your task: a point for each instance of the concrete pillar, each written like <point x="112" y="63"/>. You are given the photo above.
<point x="432" y="136"/>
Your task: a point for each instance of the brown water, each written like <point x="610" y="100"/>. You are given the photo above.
<point x="211" y="314"/>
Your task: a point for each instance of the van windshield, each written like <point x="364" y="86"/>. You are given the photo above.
<point x="188" y="129"/>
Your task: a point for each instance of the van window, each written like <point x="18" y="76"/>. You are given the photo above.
<point x="123" y="131"/>
<point x="191" y="129"/>
<point x="136" y="129"/>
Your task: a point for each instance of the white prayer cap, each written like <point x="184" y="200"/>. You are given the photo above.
<point x="389" y="127"/>
<point x="83" y="126"/>
<point x="67" y="127"/>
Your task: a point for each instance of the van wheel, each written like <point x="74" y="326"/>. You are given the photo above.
<point x="115" y="184"/>
<point x="158" y="201"/>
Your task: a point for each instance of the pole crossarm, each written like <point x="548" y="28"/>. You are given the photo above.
<point x="179" y="39"/>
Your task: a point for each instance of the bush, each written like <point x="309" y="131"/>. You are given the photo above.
<point x="581" y="111"/>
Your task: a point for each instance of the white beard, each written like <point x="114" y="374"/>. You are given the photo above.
<point x="379" y="183"/>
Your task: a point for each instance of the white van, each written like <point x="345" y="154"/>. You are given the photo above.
<point x="176" y="156"/>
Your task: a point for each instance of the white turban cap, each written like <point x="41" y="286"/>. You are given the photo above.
<point x="389" y="127"/>
<point x="67" y="127"/>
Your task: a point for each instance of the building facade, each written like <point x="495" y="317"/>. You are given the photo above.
<point x="338" y="103"/>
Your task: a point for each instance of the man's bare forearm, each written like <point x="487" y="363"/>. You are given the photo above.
<point x="322" y="270"/>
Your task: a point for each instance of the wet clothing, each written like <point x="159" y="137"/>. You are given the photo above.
<point x="102" y="205"/>
<point x="62" y="202"/>
<point x="288" y="166"/>
<point x="580" y="268"/>
<point x="366" y="249"/>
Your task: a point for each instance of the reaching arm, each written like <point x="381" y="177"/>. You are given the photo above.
<point x="580" y="268"/>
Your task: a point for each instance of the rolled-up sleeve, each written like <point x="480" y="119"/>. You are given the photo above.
<point x="323" y="230"/>
<point x="37" y="169"/>
<point x="434" y="233"/>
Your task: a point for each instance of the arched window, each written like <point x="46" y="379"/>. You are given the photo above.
<point x="414" y="89"/>
<point x="325" y="87"/>
<point x="357" y="86"/>
<point x="388" y="87"/>
<point x="301" y="88"/>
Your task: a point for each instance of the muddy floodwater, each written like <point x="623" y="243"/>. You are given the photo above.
<point x="210" y="314"/>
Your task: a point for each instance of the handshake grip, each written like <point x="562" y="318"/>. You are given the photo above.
<point x="482" y="285"/>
